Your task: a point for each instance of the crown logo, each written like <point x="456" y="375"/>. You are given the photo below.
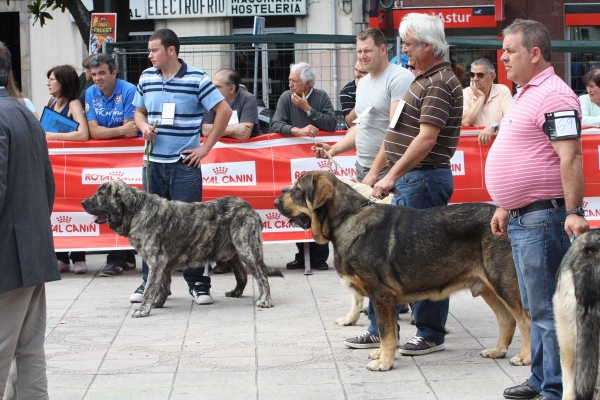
<point x="63" y="218"/>
<point x="324" y="164"/>
<point x="273" y="215"/>
<point x="117" y="173"/>
<point x="220" y="170"/>
<point x="585" y="204"/>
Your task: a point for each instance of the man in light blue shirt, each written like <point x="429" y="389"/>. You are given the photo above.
<point x="109" y="112"/>
<point x="175" y="96"/>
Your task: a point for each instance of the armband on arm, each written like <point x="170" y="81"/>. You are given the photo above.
<point x="561" y="125"/>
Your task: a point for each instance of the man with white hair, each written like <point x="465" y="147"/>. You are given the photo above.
<point x="485" y="102"/>
<point x="303" y="111"/>
<point x="418" y="147"/>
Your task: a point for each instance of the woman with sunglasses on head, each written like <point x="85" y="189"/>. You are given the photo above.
<point x="63" y="86"/>
<point x="485" y="103"/>
<point x="590" y="103"/>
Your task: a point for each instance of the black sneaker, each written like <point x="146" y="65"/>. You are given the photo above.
<point x="200" y="292"/>
<point x="417" y="346"/>
<point x="111" y="269"/>
<point x="364" y="341"/>
<point x="138" y="295"/>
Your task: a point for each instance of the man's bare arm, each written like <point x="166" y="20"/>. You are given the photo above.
<point x="128" y="129"/>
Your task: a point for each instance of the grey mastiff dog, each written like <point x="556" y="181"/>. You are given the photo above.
<point x="170" y="235"/>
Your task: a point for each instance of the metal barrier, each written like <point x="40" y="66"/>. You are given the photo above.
<point x="571" y="60"/>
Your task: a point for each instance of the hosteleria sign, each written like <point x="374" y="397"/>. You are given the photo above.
<point x="168" y="9"/>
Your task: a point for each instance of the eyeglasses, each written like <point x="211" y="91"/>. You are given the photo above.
<point x="411" y="67"/>
<point x="480" y="75"/>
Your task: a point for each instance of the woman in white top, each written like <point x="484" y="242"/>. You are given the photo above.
<point x="590" y="103"/>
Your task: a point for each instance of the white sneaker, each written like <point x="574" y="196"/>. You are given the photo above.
<point x="200" y="292"/>
<point x="79" y="267"/>
<point x="138" y="295"/>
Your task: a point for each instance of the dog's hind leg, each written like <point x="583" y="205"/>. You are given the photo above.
<point x="506" y="325"/>
<point x="383" y="358"/>
<point x="164" y="291"/>
<point x="241" y="277"/>
<point x="356" y="306"/>
<point x="249" y="249"/>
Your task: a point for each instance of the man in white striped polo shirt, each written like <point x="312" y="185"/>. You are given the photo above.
<point x="176" y="96"/>
<point x="348" y="95"/>
<point x="537" y="183"/>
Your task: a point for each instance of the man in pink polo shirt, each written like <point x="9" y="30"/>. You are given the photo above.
<point x="535" y="176"/>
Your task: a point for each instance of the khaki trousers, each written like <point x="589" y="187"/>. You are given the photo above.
<point x="22" y="334"/>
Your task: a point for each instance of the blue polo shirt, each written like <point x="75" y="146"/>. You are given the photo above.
<point x="192" y="91"/>
<point x="111" y="112"/>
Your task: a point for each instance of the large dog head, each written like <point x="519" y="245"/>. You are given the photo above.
<point x="305" y="203"/>
<point x="114" y="202"/>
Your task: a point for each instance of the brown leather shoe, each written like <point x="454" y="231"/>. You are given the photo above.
<point x="222" y="267"/>
<point x="522" y="391"/>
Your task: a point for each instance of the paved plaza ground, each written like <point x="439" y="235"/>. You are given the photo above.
<point x="232" y="350"/>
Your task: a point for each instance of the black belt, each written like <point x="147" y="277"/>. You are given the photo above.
<point x="425" y="167"/>
<point x="536" y="206"/>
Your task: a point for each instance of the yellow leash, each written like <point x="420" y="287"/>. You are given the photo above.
<point x="147" y="151"/>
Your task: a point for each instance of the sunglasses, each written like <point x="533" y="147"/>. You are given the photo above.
<point x="412" y="68"/>
<point x="480" y="75"/>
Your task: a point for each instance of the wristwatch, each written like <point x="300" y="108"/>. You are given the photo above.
<point x="494" y="126"/>
<point x="579" y="211"/>
<point x="309" y="112"/>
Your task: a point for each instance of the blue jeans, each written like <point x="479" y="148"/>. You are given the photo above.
<point x="539" y="242"/>
<point x="423" y="189"/>
<point x="173" y="181"/>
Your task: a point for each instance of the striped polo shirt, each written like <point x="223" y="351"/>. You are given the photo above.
<point x="522" y="166"/>
<point x="348" y="97"/>
<point x="192" y="91"/>
<point x="435" y="97"/>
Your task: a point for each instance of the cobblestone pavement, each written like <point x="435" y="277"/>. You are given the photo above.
<point x="232" y="350"/>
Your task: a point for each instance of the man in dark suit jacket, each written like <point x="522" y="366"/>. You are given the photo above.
<point x="26" y="246"/>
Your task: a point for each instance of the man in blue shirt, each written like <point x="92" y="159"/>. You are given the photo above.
<point x="109" y="112"/>
<point x="175" y="96"/>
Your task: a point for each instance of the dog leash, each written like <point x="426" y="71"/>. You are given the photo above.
<point x="147" y="151"/>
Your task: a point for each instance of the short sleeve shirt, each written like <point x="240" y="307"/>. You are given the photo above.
<point x="247" y="111"/>
<point x="192" y="92"/>
<point x="111" y="112"/>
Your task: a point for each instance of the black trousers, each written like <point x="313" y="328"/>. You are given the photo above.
<point x="318" y="252"/>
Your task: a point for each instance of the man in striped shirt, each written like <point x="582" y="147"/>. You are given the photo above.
<point x="418" y="147"/>
<point x="176" y="96"/>
<point x="534" y="180"/>
<point x="348" y="95"/>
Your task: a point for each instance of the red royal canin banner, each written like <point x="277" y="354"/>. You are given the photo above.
<point x="255" y="170"/>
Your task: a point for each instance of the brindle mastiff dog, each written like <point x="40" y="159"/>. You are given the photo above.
<point x="172" y="235"/>
<point x="399" y="255"/>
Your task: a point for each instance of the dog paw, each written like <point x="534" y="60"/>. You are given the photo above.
<point x="234" y="293"/>
<point x="344" y="321"/>
<point x="140" y="313"/>
<point x="375" y="365"/>
<point x="264" y="303"/>
<point x="493" y="353"/>
<point x="519" y="360"/>
<point x="375" y="354"/>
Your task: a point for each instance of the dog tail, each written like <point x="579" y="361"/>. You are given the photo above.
<point x="273" y="272"/>
<point x="588" y="326"/>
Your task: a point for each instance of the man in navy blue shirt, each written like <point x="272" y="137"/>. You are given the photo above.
<point x="109" y="111"/>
